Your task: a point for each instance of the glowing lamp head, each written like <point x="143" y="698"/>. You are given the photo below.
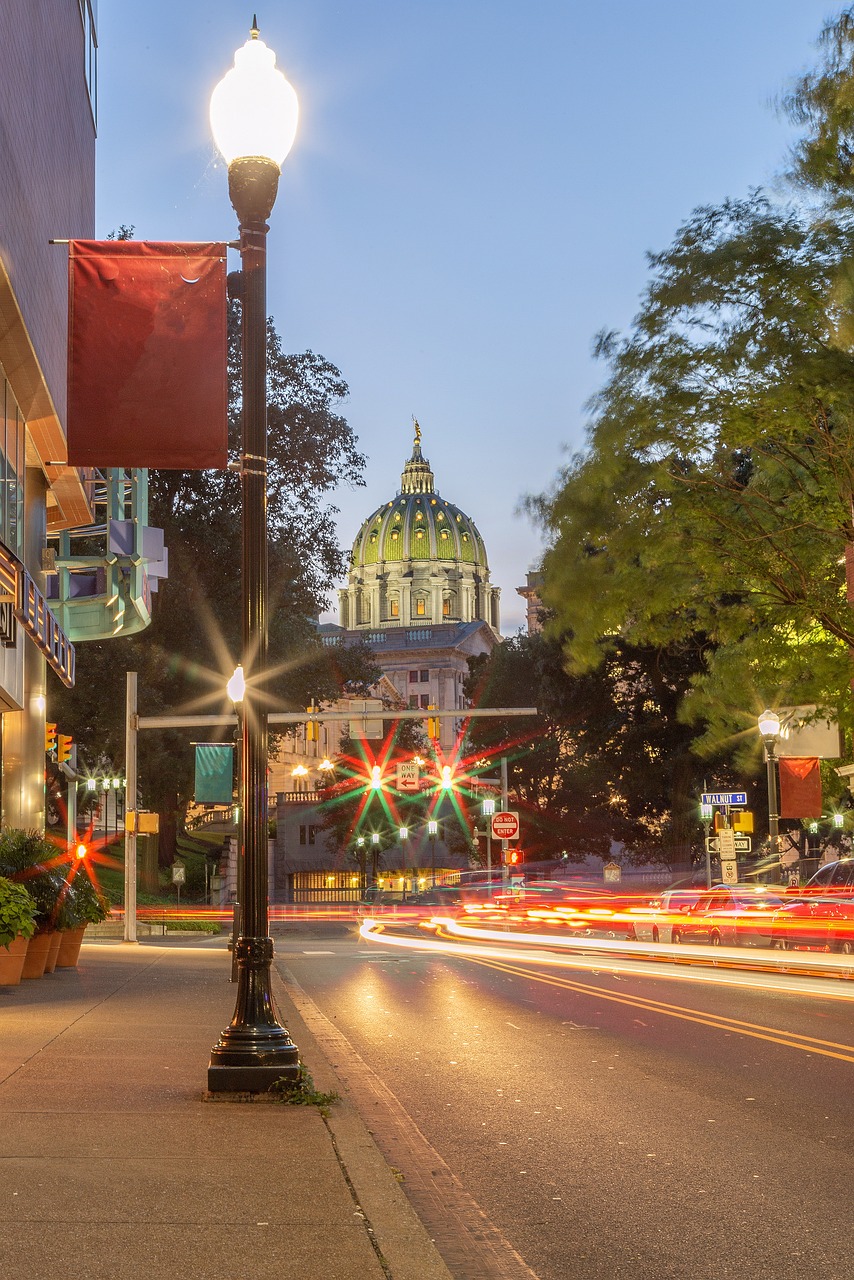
<point x="376" y="777"/>
<point x="447" y="780"/>
<point x="254" y="110"/>
<point x="403" y="832"/>
<point x="375" y="838"/>
<point x="91" y="784"/>
<point x="432" y="827"/>
<point x="769" y="724"/>
<point x="81" y="851"/>
<point x="236" y="687"/>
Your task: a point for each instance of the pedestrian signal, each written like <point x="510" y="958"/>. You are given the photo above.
<point x="513" y="857"/>
<point x="64" y="743"/>
<point x="721" y="821"/>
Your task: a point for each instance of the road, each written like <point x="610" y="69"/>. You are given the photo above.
<point x="608" y="1123"/>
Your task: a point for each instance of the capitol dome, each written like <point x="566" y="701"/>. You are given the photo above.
<point x="418" y="558"/>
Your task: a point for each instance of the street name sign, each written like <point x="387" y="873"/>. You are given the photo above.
<point x="505" y="825"/>
<point x="724" y="797"/>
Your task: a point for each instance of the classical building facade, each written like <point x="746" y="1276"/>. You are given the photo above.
<point x="419" y="595"/>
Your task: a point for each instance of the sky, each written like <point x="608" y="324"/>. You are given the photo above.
<point x="470" y="199"/>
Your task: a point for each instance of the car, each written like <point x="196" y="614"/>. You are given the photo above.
<point x="731" y="915"/>
<point x="654" y="921"/>
<point x="821" y="915"/>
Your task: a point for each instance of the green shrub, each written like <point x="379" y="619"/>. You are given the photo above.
<point x="17" y="912"/>
<point x="28" y="859"/>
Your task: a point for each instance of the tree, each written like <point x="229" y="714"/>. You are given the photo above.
<point x="714" y="501"/>
<point x="193" y="644"/>
<point x="605" y="760"/>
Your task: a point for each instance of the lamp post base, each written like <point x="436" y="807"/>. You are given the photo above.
<point x="255" y="1050"/>
<point x="255" y="1079"/>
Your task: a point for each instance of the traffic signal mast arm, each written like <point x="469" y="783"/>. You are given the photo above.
<point x="300" y="717"/>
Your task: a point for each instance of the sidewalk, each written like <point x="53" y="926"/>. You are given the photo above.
<point x="113" y="1163"/>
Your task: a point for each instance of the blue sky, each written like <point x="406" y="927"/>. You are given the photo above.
<point x="469" y="200"/>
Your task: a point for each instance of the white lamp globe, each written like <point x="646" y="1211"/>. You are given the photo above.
<point x="254" y="110"/>
<point x="769" y="724"/>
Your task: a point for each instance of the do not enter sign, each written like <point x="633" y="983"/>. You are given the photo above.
<point x="505" y="826"/>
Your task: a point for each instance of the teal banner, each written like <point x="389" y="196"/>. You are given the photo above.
<point x="214" y="773"/>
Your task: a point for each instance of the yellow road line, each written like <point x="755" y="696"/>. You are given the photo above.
<point x="790" y="1039"/>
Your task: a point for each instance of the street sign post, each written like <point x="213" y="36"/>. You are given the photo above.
<point x="724" y="798"/>
<point x="505" y="825"/>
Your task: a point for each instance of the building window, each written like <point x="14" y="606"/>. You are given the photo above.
<point x="394" y="609"/>
<point x="413" y="677"/>
<point x="413" y="700"/>
<point x="307" y="835"/>
<point x="425" y="676"/>
<point x="420" y="607"/>
<point x="11" y="469"/>
<point x="446" y="607"/>
<point x="90" y="39"/>
<point x="425" y="700"/>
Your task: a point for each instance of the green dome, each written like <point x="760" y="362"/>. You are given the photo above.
<point x="418" y="524"/>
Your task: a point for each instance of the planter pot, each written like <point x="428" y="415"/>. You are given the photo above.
<point x="36" y="957"/>
<point x="12" y="962"/>
<point x="53" y="951"/>
<point x="69" y="947"/>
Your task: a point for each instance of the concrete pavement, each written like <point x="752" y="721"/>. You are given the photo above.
<point x="115" y="1162"/>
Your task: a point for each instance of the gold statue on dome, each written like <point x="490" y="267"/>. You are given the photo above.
<point x="417" y="430"/>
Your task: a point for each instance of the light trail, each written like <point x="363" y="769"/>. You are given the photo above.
<point x="493" y="946"/>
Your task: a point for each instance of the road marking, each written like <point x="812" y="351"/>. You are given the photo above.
<point x="318" y="953"/>
<point x="789" y="1039"/>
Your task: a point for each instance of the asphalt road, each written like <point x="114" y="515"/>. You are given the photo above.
<point x="609" y="1124"/>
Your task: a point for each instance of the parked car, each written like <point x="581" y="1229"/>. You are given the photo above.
<point x="654" y="921"/>
<point x="731" y="915"/>
<point x="821" y="915"/>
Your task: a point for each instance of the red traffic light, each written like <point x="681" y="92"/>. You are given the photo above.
<point x="513" y="857"/>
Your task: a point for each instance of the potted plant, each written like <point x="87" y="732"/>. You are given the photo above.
<point x="17" y="926"/>
<point x="28" y="859"/>
<point x="85" y="905"/>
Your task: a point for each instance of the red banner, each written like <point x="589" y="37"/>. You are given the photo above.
<point x="800" y="788"/>
<point x="147" y="355"/>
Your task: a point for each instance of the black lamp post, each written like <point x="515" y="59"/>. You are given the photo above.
<point x="254" y="117"/>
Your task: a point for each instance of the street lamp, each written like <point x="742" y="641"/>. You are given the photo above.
<point x="432" y="831"/>
<point x="254" y="115"/>
<point x="769" y="728"/>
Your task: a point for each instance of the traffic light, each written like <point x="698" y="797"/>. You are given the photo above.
<point x="742" y="820"/>
<point x="64" y="744"/>
<point x="721" y="821"/>
<point x="432" y="725"/>
<point x="312" y="728"/>
<point x="513" y="857"/>
<point x="50" y="737"/>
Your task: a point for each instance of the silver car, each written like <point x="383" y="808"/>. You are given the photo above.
<point x="654" y="922"/>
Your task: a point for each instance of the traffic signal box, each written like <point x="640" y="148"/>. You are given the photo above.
<point x="432" y="725"/>
<point x="50" y="737"/>
<point x="512" y="857"/>
<point x="312" y="728"/>
<point x="735" y="820"/>
<point x="64" y="743"/>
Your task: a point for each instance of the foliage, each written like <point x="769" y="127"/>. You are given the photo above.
<point x="605" y="760"/>
<point x="28" y="859"/>
<point x="302" y="1093"/>
<point x="86" y="904"/>
<point x="17" y="912"/>
<point x="713" y="505"/>
<point x="185" y="657"/>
